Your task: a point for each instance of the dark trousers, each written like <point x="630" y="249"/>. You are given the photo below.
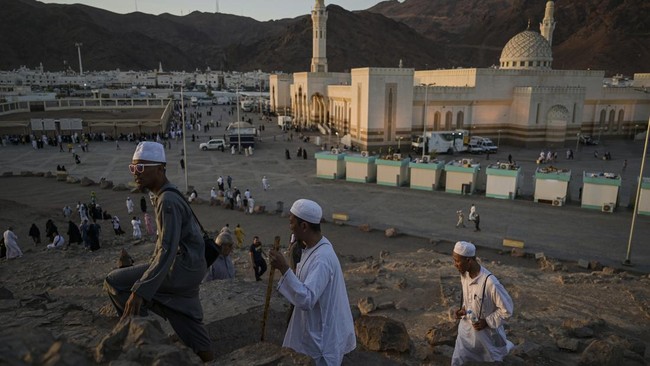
<point x="477" y="221"/>
<point x="191" y="331"/>
<point x="260" y="268"/>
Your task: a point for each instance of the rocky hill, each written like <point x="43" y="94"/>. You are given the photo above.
<point x="610" y="35"/>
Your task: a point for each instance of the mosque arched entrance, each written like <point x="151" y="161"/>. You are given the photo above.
<point x="557" y="119"/>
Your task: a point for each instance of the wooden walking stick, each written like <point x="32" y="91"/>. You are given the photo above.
<point x="269" y="289"/>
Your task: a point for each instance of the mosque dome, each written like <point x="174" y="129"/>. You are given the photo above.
<point x="527" y="50"/>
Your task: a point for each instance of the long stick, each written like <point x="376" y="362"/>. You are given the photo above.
<point x="269" y="289"/>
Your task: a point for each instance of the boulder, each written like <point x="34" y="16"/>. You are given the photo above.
<point x="106" y="184"/>
<point x="120" y="187"/>
<point x="49" y="175"/>
<point x="527" y="349"/>
<point x="568" y="344"/>
<point x="384" y="254"/>
<point x="386" y="305"/>
<point x="595" y="266"/>
<point x="86" y="182"/>
<point x="124" y="259"/>
<point x="263" y="353"/>
<point x="578" y="328"/>
<point x="366" y="305"/>
<point x="70" y="179"/>
<point x="62" y="353"/>
<point x="365" y="228"/>
<point x="442" y="334"/>
<point x="142" y="340"/>
<point x="517" y="252"/>
<point x="259" y="209"/>
<point x="391" y="232"/>
<point x="602" y="353"/>
<point x="380" y="333"/>
<point x="26" y="174"/>
<point x="609" y="270"/>
<point x="61" y="176"/>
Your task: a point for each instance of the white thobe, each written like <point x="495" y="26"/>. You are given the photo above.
<point x="137" y="232"/>
<point x="11" y="242"/>
<point x="129" y="206"/>
<point x="321" y="325"/>
<point x="57" y="243"/>
<point x="489" y="344"/>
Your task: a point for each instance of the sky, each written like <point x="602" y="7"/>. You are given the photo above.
<point x="258" y="9"/>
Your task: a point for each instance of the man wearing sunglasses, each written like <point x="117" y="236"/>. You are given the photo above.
<point x="169" y="283"/>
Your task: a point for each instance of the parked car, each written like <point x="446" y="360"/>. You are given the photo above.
<point x="214" y="144"/>
<point x="475" y="149"/>
<point x="588" y="140"/>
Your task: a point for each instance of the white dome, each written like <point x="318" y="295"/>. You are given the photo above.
<point x="526" y="50"/>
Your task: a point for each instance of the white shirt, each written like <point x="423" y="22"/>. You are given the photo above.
<point x="321" y="325"/>
<point x="489" y="344"/>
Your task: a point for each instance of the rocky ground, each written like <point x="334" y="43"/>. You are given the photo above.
<point x="53" y="309"/>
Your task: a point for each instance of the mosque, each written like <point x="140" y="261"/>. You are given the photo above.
<point x="523" y="101"/>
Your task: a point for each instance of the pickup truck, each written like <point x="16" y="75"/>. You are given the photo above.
<point x="475" y="149"/>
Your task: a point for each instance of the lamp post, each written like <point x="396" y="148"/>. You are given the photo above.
<point x="238" y="123"/>
<point x="634" y="136"/>
<point x="627" y="260"/>
<point x="499" y="139"/>
<point x="577" y="141"/>
<point x="424" y="122"/>
<point x="399" y="143"/>
<point x="338" y="139"/>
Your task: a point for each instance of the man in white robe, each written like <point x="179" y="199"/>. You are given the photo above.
<point x="485" y="307"/>
<point x="11" y="243"/>
<point x="321" y="324"/>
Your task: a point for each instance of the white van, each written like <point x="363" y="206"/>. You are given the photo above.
<point x="485" y="143"/>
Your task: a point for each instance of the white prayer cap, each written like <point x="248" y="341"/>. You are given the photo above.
<point x="150" y="151"/>
<point x="307" y="210"/>
<point x="465" y="249"/>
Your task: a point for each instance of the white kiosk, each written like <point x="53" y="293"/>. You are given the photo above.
<point x="600" y="191"/>
<point x="360" y="168"/>
<point x="392" y="171"/>
<point x="425" y="175"/>
<point x="461" y="176"/>
<point x="330" y="164"/>
<point x="503" y="180"/>
<point x="552" y="185"/>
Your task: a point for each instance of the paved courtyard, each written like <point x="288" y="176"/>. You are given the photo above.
<point x="567" y="232"/>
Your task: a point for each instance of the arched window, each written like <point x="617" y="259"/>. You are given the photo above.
<point x="448" y="120"/>
<point x="621" y="115"/>
<point x="612" y="117"/>
<point x="460" y="120"/>
<point x="436" y="121"/>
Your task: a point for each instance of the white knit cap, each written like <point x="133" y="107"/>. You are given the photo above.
<point x="150" y="151"/>
<point x="465" y="249"/>
<point x="307" y="210"/>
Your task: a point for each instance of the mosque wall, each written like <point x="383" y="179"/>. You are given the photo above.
<point x="382" y="105"/>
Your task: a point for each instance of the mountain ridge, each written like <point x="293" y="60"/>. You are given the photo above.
<point x="609" y="35"/>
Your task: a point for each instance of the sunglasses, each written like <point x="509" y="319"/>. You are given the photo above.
<point x="139" y="168"/>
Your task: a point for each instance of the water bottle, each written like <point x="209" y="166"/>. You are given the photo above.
<point x="471" y="316"/>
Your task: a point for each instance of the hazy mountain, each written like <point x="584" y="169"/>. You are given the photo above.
<point x="598" y="34"/>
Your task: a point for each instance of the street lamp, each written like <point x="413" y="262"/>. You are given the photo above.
<point x="424" y="122"/>
<point x="499" y="139"/>
<point x="399" y="142"/>
<point x="627" y="260"/>
<point x="338" y="139"/>
<point x="577" y="141"/>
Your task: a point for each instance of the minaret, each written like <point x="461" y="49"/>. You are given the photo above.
<point x="319" y="21"/>
<point x="547" y="26"/>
